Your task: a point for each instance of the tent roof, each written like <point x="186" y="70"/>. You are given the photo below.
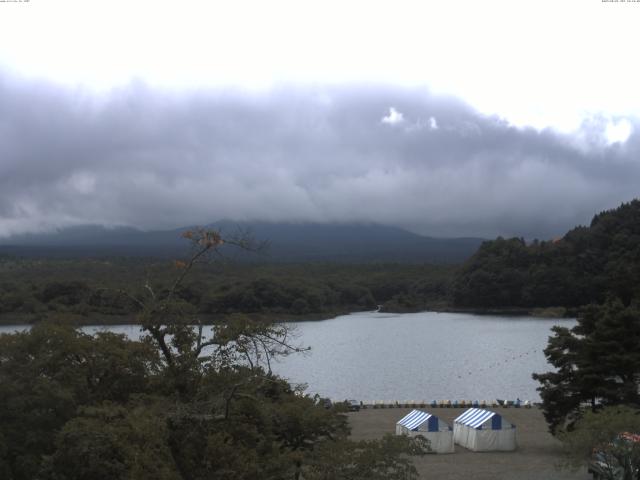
<point x="414" y="419"/>
<point x="474" y="417"/>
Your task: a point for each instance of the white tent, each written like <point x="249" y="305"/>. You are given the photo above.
<point x="430" y="427"/>
<point x="484" y="431"/>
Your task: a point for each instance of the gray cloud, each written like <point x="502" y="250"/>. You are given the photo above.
<point x="156" y="159"/>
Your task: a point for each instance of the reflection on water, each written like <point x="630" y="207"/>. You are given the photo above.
<point x="417" y="356"/>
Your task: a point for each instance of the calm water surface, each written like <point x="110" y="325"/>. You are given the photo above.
<point x="422" y="356"/>
<point x="417" y="356"/>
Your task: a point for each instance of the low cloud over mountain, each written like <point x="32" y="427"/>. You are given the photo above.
<point x="160" y="159"/>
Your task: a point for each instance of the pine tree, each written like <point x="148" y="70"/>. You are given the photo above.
<point x="597" y="362"/>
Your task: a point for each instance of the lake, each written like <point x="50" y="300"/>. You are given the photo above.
<point x="414" y="356"/>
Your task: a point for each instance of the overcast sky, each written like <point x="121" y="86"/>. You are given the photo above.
<point x="448" y="118"/>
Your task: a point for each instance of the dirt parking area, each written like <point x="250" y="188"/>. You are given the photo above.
<point x="537" y="457"/>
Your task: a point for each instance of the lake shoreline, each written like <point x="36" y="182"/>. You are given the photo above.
<point x="94" y="319"/>
<point x="536" y="312"/>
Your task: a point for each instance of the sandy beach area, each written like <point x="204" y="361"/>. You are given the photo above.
<point x="538" y="456"/>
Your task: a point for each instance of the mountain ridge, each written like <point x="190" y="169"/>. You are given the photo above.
<point x="288" y="242"/>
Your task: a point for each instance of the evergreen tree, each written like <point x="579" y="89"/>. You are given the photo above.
<point x="597" y="361"/>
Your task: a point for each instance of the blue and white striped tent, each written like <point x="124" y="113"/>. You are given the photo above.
<point x="425" y="424"/>
<point x="483" y="431"/>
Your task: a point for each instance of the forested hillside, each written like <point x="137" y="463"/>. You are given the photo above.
<point x="91" y="290"/>
<point x="587" y="265"/>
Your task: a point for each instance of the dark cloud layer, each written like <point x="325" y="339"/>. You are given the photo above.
<point x="155" y="159"/>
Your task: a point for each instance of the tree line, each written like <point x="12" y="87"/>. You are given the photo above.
<point x="587" y="265"/>
<point x="186" y="402"/>
<point x="83" y="288"/>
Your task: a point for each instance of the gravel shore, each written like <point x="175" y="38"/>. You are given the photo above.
<point x="538" y="456"/>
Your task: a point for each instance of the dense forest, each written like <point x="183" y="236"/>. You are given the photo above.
<point x="93" y="290"/>
<point x="587" y="265"/>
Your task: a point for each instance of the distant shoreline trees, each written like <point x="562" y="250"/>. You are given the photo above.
<point x="87" y="290"/>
